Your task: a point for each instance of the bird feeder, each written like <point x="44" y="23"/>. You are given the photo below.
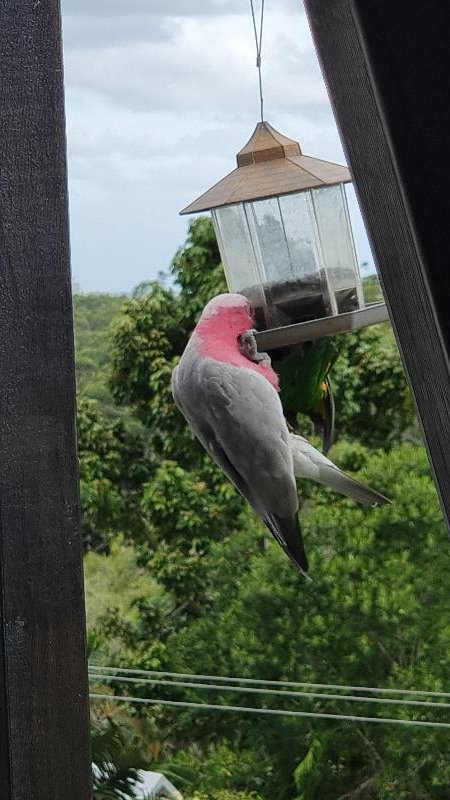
<point x="285" y="238"/>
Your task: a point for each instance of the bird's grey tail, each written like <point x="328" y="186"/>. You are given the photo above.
<point x="287" y="532"/>
<point x="310" y="464"/>
<point x="344" y="484"/>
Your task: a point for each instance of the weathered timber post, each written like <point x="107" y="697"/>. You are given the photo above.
<point x="44" y="721"/>
<point x="387" y="66"/>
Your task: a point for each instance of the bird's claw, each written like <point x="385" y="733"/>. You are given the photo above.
<point x="249" y="348"/>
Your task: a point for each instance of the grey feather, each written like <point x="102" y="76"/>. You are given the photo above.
<point x="288" y="534"/>
<point x="237" y="416"/>
<point x="310" y="463"/>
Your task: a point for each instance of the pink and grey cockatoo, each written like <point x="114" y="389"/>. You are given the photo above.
<point x="228" y="393"/>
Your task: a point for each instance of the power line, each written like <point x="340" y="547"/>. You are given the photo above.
<point x="280" y="692"/>
<point x="261" y="682"/>
<point x="271" y="711"/>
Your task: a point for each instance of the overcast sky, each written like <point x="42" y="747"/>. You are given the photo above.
<point x="160" y="95"/>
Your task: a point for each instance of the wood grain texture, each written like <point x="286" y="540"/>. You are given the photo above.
<point x="44" y="717"/>
<point x="387" y="67"/>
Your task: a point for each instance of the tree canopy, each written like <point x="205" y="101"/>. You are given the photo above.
<point x="194" y="587"/>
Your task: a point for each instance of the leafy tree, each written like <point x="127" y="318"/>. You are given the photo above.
<point x="93" y="314"/>
<point x="118" y="754"/>
<point x="375" y="615"/>
<point x="116" y="587"/>
<point x="220" y="601"/>
<point x="371" y="287"/>
<point x="224" y="794"/>
<point x="188" y="503"/>
<point x="114" y="462"/>
<point x="154" y="327"/>
<point x="222" y="773"/>
<point x="368" y="378"/>
<point x="149" y="338"/>
<point x="373" y="401"/>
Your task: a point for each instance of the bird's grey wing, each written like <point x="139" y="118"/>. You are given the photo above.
<point x="205" y="434"/>
<point x="285" y="529"/>
<point x="310" y="463"/>
<point x="236" y="415"/>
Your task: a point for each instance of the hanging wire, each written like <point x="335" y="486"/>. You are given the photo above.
<point x="270" y="711"/>
<point x="253" y="690"/>
<point x="258" y="42"/>
<point x="260" y="682"/>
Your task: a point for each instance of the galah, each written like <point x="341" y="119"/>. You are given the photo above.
<point x="228" y="394"/>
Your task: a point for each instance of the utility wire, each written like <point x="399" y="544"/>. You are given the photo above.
<point x="261" y="682"/>
<point x="279" y="692"/>
<point x="258" y="42"/>
<point x="270" y="711"/>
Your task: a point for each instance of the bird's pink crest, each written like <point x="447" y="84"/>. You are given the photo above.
<point x="224" y="319"/>
<point x="225" y="304"/>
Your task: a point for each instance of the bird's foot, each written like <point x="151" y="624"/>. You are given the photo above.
<point x="249" y="348"/>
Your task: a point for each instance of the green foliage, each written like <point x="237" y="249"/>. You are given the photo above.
<point x="147" y="337"/>
<point x="222" y="773"/>
<point x="114" y="462"/>
<point x="375" y="615"/>
<point x="372" y="289"/>
<point x="372" y="398"/>
<point x="186" y="489"/>
<point x="93" y="314"/>
<point x="224" y="795"/>
<point x="129" y="615"/>
<point x="115" y="581"/>
<point x="187" y="510"/>
<point x="154" y="327"/>
<point x="117" y="755"/>
<point x="187" y="581"/>
<point x="306" y="772"/>
<point x="197" y="269"/>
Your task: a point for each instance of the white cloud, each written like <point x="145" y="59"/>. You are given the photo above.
<point x="159" y="99"/>
<point x="204" y="64"/>
<point x="150" y="8"/>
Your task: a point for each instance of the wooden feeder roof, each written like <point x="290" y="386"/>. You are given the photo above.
<point x="269" y="165"/>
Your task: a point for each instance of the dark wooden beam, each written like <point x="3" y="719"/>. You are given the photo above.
<point x="387" y="66"/>
<point x="44" y="719"/>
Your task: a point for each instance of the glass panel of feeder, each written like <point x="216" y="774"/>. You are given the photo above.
<point x="266" y="225"/>
<point x="309" y="283"/>
<point x="272" y="240"/>
<point x="237" y="250"/>
<point x="337" y="246"/>
<point x="235" y="247"/>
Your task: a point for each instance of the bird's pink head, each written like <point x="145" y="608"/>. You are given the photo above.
<point x="224" y="319"/>
<point x="230" y="312"/>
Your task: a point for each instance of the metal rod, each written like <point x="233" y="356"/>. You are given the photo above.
<point x="317" y="328"/>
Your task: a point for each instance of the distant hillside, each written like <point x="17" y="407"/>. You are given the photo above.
<point x="93" y="315"/>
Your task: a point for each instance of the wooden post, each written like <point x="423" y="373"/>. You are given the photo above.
<point x="44" y="719"/>
<point x="387" y="67"/>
